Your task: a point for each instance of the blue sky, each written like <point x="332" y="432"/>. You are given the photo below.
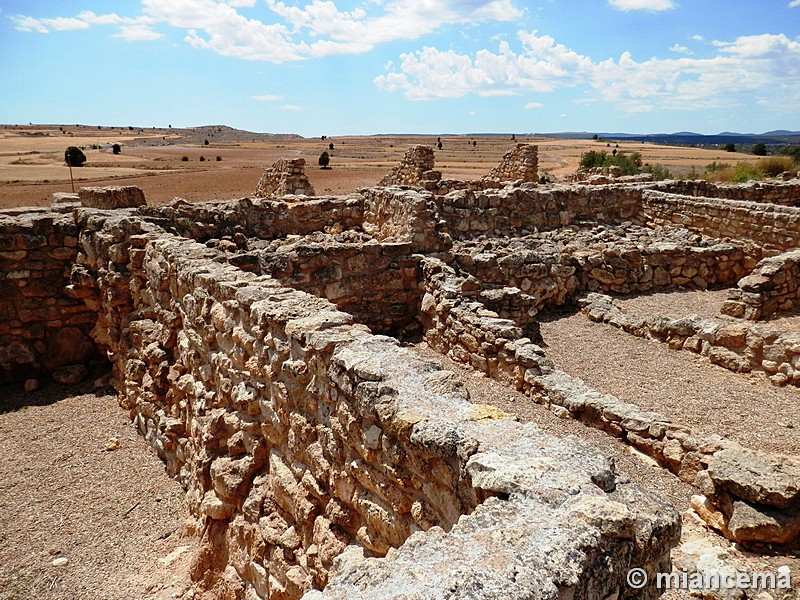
<point x="404" y="66"/>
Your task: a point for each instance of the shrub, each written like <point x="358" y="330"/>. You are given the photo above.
<point x="219" y="159"/>
<point x="775" y="165"/>
<point x="760" y="149"/>
<point x="658" y="172"/>
<point x="715" y="166"/>
<point x="116" y="149"/>
<point x="324" y="159"/>
<point x="202" y="159"/>
<point x="629" y="164"/>
<point x="205" y="142"/>
<point x="184" y="159"/>
<point x="730" y="147"/>
<point x="741" y="173"/>
<point x="74" y="156"/>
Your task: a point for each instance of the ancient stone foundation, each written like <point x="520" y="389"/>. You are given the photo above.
<point x="250" y="342"/>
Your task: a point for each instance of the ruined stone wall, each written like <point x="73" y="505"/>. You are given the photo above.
<point x="394" y="214"/>
<point x="773" y="287"/>
<point x="44" y="323"/>
<point x="516" y="211"/>
<point x="375" y="282"/>
<point x="553" y="267"/>
<point x="518" y="164"/>
<point x="775" y="192"/>
<point x="285" y="177"/>
<point x="415" y="167"/>
<point x="750" y="496"/>
<point x="464" y="329"/>
<point x="299" y="435"/>
<point x="260" y="218"/>
<point x="775" y="228"/>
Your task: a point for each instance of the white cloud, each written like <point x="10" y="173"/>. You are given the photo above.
<point x="266" y="98"/>
<point x="129" y="28"/>
<point x="679" y="49"/>
<point x="533" y="105"/>
<point x="654" y="5"/>
<point x="743" y="71"/>
<point x="23" y="23"/>
<point x="794" y="3"/>
<point x="296" y="31"/>
<point x="290" y="107"/>
<point x="137" y="33"/>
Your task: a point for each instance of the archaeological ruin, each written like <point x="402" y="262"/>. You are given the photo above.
<point x="263" y="347"/>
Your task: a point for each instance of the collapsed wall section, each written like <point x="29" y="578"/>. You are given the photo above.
<point x="518" y="164"/>
<point x="283" y="178"/>
<point x="773" y="287"/>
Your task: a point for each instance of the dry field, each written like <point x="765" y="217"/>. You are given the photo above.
<point x="32" y="160"/>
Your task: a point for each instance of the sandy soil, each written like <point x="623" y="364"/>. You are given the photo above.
<point x="32" y="165"/>
<point x="705" y="303"/>
<point x="683" y="386"/>
<point x="78" y="483"/>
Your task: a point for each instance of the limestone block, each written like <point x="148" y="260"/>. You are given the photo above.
<point x="112" y="197"/>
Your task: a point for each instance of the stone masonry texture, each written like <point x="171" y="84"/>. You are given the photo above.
<point x="249" y="341"/>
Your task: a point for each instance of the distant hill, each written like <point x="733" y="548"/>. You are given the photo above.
<point x="688" y="138"/>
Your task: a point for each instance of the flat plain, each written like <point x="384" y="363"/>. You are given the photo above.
<point x="32" y="163"/>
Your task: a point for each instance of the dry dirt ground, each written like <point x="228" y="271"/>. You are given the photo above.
<point x="79" y="484"/>
<point x="32" y="164"/>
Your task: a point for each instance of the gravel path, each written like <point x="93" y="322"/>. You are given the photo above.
<point x="66" y="495"/>
<point x="681" y="385"/>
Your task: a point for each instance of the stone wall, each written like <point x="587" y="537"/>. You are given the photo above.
<point x="112" y="197"/>
<point x="750" y="496"/>
<point x="773" y="287"/>
<point x="551" y="268"/>
<point x="44" y="323"/>
<point x="375" y="282"/>
<point x="285" y="177"/>
<point x="394" y="214"/>
<point x="261" y="218"/>
<point x="775" y="228"/>
<point x="299" y="435"/>
<point x="520" y="210"/>
<point x="518" y="164"/>
<point x="774" y="192"/>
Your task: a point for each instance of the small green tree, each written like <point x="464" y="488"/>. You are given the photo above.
<point x="324" y="159"/>
<point x="760" y="149"/>
<point x="74" y="156"/>
<point x="730" y="147"/>
<point x="116" y="149"/>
